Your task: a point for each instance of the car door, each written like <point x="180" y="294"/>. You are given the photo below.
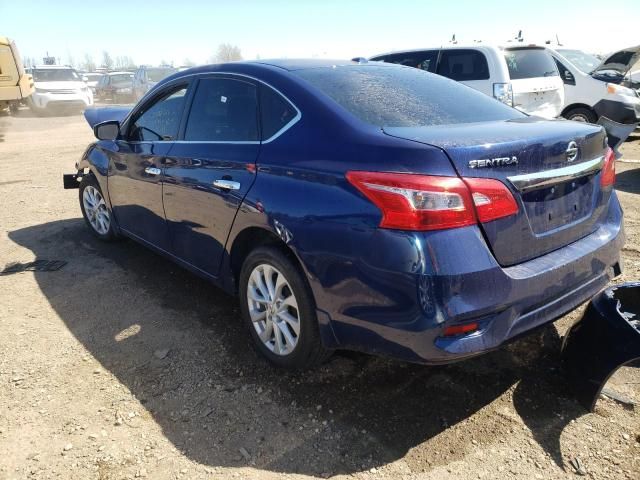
<point x="135" y="170"/>
<point x="211" y="168"/>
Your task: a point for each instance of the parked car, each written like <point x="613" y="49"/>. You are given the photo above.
<point x="146" y="78"/>
<point x="524" y="77"/>
<point x="590" y="93"/>
<point x="58" y="87"/>
<point x="92" y="79"/>
<point x="16" y="85"/>
<point x="359" y="206"/>
<point x="115" y="87"/>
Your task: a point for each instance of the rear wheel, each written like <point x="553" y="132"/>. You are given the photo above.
<point x="581" y="115"/>
<point x="95" y="211"/>
<point x="278" y="309"/>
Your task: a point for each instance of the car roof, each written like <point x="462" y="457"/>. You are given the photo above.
<point x="476" y="46"/>
<point x="54" y="67"/>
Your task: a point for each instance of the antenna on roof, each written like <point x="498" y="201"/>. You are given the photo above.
<point x="558" y="41"/>
<point x="453" y="39"/>
<point x="519" y="38"/>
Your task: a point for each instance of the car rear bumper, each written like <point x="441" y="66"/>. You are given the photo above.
<point x="451" y="278"/>
<point x="70" y="101"/>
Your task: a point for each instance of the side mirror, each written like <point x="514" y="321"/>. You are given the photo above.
<point x="109" y="130"/>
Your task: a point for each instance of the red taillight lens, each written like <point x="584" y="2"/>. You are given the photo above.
<point x="416" y="202"/>
<point x="491" y="198"/>
<point x="425" y="202"/>
<point x="608" y="175"/>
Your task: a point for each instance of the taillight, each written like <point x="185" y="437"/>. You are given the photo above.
<point x="425" y="202"/>
<point x="491" y="198"/>
<point x="608" y="175"/>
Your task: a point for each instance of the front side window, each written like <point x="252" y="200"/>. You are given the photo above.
<point x="529" y="63"/>
<point x="463" y="65"/>
<point x="275" y="112"/>
<point x="161" y="120"/>
<point x="223" y="110"/>
<point x="390" y="96"/>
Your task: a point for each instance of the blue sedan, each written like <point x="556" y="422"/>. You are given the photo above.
<point x="355" y="205"/>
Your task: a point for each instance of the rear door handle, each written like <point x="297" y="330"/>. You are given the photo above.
<point x="152" y="171"/>
<point x="226" y="184"/>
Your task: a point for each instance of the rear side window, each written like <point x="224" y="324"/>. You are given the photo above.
<point x="392" y="96"/>
<point x="161" y="120"/>
<point x="529" y="63"/>
<point x="423" y="60"/>
<point x="223" y="110"/>
<point x="275" y="111"/>
<point x="463" y="65"/>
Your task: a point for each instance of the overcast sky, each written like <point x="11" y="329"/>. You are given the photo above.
<point x="150" y="31"/>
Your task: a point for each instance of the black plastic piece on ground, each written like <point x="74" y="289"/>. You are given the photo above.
<point x="606" y="338"/>
<point x="36" y="266"/>
<point x="70" y="180"/>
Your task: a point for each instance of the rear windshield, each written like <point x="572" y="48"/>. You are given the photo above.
<point x="530" y="63"/>
<point x="157" y="74"/>
<point x="394" y="96"/>
<point x="54" y="75"/>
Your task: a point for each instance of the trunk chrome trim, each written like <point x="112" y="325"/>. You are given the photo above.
<point x="531" y="181"/>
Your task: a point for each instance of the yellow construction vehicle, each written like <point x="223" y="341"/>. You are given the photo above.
<point x="15" y="84"/>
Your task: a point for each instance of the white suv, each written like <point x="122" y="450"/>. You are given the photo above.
<point x="57" y="86"/>
<point x="524" y="77"/>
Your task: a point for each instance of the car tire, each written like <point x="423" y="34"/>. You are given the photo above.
<point x="580" y="114"/>
<point x="287" y="306"/>
<point x="95" y="210"/>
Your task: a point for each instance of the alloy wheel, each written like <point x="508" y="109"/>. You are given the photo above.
<point x="273" y="309"/>
<point x="96" y="210"/>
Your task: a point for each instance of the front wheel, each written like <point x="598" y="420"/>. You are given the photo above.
<point x="95" y="211"/>
<point x="278" y="309"/>
<point x="581" y="115"/>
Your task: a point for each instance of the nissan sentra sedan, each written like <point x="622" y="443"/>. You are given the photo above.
<point x="359" y="205"/>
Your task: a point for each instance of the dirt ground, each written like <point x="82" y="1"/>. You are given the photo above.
<point x="122" y="365"/>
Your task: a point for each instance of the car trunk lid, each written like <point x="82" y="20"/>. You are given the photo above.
<point x="559" y="197"/>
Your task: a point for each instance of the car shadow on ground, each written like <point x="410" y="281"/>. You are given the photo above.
<point x="174" y="341"/>
<point x="628" y="180"/>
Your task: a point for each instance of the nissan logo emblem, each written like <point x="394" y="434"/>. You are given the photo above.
<point x="572" y="151"/>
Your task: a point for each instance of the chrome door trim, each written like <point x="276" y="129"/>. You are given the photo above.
<point x="531" y="181"/>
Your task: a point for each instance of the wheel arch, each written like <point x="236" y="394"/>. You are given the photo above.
<point x="578" y="105"/>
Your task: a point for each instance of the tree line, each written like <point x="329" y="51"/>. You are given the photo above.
<point x="225" y="52"/>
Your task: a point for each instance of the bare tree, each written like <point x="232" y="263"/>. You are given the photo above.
<point x="227" y="53"/>
<point x="107" y="61"/>
<point x="88" y="64"/>
<point x="187" y="62"/>
<point x="124" y="62"/>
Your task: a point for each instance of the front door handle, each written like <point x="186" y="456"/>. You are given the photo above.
<point x="226" y="184"/>
<point x="152" y="171"/>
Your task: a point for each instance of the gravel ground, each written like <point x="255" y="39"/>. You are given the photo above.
<point x="122" y="365"/>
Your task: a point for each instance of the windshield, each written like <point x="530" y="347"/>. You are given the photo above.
<point x="583" y="61"/>
<point x="124" y="79"/>
<point x="55" y="75"/>
<point x="157" y="74"/>
<point x="394" y="96"/>
<point x="530" y="63"/>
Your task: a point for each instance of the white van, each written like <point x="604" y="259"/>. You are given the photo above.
<point x="524" y="77"/>
<point x="595" y="89"/>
